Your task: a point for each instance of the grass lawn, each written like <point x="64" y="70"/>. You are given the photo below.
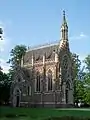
<point x="7" y="113"/>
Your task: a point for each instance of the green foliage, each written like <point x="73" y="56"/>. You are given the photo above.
<point x="6" y="79"/>
<point x="87" y="79"/>
<point x="16" y="55"/>
<point x="79" y="91"/>
<point x="77" y="75"/>
<point x="76" y="64"/>
<point x="4" y="88"/>
<point x="87" y="62"/>
<point x="82" y="83"/>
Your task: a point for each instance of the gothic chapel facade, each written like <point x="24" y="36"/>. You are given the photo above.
<point x="44" y="78"/>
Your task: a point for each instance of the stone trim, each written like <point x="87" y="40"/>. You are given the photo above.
<point x="49" y="102"/>
<point x="40" y="63"/>
<point x="58" y="103"/>
<point x="43" y="46"/>
<point x="43" y="103"/>
<point x="24" y="95"/>
<point x="24" y="102"/>
<point x="37" y="92"/>
<point x="49" y="92"/>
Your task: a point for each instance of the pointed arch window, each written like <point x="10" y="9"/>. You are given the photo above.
<point x="67" y="91"/>
<point x="68" y="84"/>
<point x="49" y="80"/>
<point x="38" y="82"/>
<point x="29" y="90"/>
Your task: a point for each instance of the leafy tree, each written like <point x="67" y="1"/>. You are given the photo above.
<point x="78" y="76"/>
<point x="76" y="63"/>
<point x="16" y="55"/>
<point x="87" y="62"/>
<point x="79" y="93"/>
<point x="87" y="79"/>
<point x="4" y="88"/>
<point x="6" y="79"/>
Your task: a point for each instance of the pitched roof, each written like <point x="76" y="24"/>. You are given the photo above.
<point x="38" y="52"/>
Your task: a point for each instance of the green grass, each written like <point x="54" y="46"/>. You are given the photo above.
<point x="39" y="113"/>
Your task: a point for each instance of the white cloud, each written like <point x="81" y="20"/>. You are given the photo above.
<point x="78" y="37"/>
<point x="5" y="43"/>
<point x="2" y="42"/>
<point x="83" y="35"/>
<point x="5" y="66"/>
<point x="2" y="24"/>
<point x="82" y="57"/>
<point x="4" y="47"/>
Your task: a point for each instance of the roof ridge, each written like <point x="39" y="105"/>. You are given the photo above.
<point x="43" y="45"/>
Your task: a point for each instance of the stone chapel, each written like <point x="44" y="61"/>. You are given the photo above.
<point x="44" y="78"/>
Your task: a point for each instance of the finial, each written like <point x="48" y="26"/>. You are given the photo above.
<point x="64" y="19"/>
<point x="63" y="12"/>
<point x="1" y="32"/>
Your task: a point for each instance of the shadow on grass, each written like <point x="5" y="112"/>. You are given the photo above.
<point x="24" y="116"/>
<point x="12" y="116"/>
<point x="67" y="118"/>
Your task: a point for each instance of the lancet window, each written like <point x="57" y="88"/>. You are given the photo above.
<point x="38" y="82"/>
<point x="49" y="80"/>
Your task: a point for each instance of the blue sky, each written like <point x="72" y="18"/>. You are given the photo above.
<point x="34" y="22"/>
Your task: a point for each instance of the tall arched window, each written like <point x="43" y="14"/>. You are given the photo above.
<point x="29" y="90"/>
<point x="49" y="80"/>
<point x="68" y="84"/>
<point x="67" y="91"/>
<point x="64" y="68"/>
<point x="38" y="82"/>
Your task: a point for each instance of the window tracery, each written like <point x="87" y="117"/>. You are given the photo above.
<point x="65" y="62"/>
<point x="65" y="66"/>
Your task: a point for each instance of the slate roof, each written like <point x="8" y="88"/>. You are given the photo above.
<point x="38" y="53"/>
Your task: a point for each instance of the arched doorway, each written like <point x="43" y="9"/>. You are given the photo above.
<point x="66" y="96"/>
<point x="16" y="97"/>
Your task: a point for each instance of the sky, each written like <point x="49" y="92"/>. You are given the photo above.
<point x="35" y="22"/>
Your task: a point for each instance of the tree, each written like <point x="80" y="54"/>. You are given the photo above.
<point x="78" y="75"/>
<point x="76" y="63"/>
<point x="87" y="79"/>
<point x="16" y="55"/>
<point x="4" y="88"/>
<point x="79" y="91"/>
<point x="87" y="62"/>
<point x="6" y="79"/>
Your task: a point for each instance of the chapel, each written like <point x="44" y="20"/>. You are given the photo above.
<point x="44" y="78"/>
